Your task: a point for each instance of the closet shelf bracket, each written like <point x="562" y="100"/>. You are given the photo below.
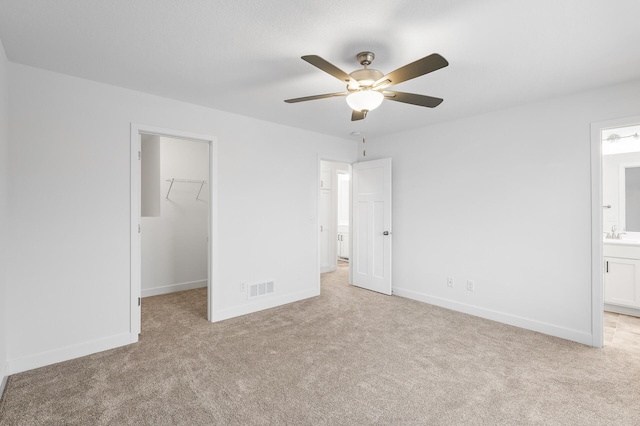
<point x="174" y="180"/>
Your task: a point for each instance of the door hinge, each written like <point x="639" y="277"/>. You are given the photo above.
<point x="139" y="155"/>
<point x="138" y="301"/>
<point x="138" y="228"/>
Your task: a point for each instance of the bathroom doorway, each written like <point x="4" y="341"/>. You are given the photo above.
<point x="334" y="201"/>
<point x="616" y="285"/>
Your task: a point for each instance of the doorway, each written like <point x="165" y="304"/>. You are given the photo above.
<point x="334" y="201"/>
<point x="180" y="194"/>
<point x="369" y="233"/>
<point x="615" y="237"/>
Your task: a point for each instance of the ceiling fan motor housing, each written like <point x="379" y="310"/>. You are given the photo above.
<point x="366" y="77"/>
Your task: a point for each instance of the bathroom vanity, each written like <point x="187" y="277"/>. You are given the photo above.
<point x="622" y="276"/>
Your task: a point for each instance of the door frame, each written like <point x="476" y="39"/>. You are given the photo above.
<point x="597" y="277"/>
<point x="317" y="233"/>
<point x="136" y="252"/>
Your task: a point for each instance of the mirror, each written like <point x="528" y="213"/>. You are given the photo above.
<point x="630" y="197"/>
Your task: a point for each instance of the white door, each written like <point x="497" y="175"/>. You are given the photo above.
<point x="371" y="234"/>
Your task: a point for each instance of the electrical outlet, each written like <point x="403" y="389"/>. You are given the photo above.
<point x="470" y="285"/>
<point x="449" y="281"/>
<point x="243" y="287"/>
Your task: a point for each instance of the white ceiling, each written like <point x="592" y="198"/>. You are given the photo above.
<point x="243" y="56"/>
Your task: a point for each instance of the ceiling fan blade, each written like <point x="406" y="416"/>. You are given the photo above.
<point x="412" y="98"/>
<point x="329" y="68"/>
<point x="414" y="69"/>
<point x="311" y="98"/>
<point x="358" y="115"/>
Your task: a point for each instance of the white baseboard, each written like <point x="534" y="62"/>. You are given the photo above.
<point x="328" y="269"/>
<point x="622" y="310"/>
<point x="3" y="384"/>
<point x="54" y="356"/>
<point x="155" y="291"/>
<point x="261" y="305"/>
<point x="526" y="323"/>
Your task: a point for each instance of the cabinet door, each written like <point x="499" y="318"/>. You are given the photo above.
<point x="622" y="281"/>
<point x="344" y="246"/>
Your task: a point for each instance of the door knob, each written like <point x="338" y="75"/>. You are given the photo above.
<point x="385" y="233"/>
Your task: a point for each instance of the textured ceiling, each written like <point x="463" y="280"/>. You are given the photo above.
<point x="243" y="56"/>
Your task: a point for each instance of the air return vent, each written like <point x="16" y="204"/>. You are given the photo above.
<point x="260" y="289"/>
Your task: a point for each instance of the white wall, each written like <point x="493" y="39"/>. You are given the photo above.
<point x="70" y="212"/>
<point x="174" y="244"/>
<point x="4" y="201"/>
<point x="611" y="186"/>
<point x="502" y="199"/>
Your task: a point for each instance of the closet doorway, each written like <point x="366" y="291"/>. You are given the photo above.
<point x="172" y="215"/>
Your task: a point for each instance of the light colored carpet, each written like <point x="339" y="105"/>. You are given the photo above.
<point x="348" y="357"/>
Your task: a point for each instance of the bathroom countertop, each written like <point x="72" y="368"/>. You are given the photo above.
<point x="622" y="242"/>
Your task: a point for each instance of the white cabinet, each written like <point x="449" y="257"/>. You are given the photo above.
<point x="343" y="245"/>
<point x="622" y="281"/>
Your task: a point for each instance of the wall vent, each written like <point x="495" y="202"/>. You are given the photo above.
<point x="260" y="289"/>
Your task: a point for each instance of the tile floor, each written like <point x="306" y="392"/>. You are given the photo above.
<point x="621" y="330"/>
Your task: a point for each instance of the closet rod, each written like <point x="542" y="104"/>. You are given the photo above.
<point x="172" y="180"/>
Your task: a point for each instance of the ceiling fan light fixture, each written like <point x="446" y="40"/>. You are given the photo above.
<point x="365" y="100"/>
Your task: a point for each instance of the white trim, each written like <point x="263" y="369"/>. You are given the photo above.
<point x="316" y="223"/>
<point x="514" y="320"/>
<point x="212" y="267"/>
<point x="597" y="280"/>
<point x="597" y="284"/>
<point x="3" y="385"/>
<point x="625" y="310"/>
<point x="54" y="356"/>
<point x="135" y="281"/>
<point x="251" y="308"/>
<point x="328" y="269"/>
<point x="4" y="374"/>
<point x="172" y="288"/>
<point x="135" y="277"/>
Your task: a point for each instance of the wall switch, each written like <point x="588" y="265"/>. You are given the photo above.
<point x="449" y="281"/>
<point x="243" y="287"/>
<point x="470" y="285"/>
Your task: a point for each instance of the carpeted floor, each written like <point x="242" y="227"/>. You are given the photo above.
<point x="348" y="357"/>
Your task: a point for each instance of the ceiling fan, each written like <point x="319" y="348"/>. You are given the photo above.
<point x="366" y="88"/>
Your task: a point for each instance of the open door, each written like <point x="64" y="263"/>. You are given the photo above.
<point x="372" y="225"/>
